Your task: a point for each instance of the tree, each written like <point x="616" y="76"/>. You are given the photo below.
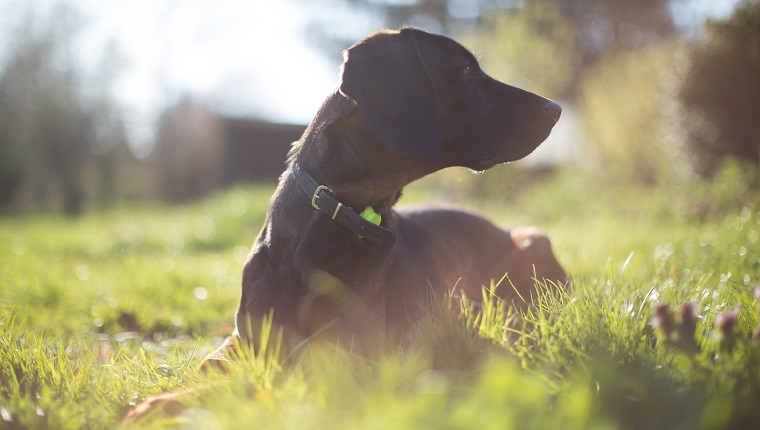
<point x="601" y="26"/>
<point x="49" y="126"/>
<point x="189" y="152"/>
<point x="721" y="90"/>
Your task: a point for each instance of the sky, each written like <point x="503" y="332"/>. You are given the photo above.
<point x="246" y="58"/>
<point x="243" y="53"/>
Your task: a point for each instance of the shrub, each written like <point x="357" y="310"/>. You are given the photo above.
<point x="620" y="102"/>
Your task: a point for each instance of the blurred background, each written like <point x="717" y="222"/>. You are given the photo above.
<point x="109" y="102"/>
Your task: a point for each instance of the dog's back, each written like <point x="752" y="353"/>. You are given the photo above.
<point x="448" y="250"/>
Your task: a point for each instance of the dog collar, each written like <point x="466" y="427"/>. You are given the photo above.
<point x="366" y="226"/>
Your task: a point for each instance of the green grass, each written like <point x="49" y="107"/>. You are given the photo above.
<point x="99" y="312"/>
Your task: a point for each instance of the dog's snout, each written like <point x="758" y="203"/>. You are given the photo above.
<point x="553" y="110"/>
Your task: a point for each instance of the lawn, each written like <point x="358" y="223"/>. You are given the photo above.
<point x="99" y="312"/>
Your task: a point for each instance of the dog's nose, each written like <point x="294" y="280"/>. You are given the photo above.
<point x="553" y="110"/>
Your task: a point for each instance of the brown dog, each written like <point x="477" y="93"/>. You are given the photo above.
<point x="409" y="103"/>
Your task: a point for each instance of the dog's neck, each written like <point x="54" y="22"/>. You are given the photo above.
<point x="340" y="151"/>
<point x="339" y="155"/>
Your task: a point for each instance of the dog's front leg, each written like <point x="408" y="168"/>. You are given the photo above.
<point x="334" y="311"/>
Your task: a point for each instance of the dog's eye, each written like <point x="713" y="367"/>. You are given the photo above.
<point x="466" y="71"/>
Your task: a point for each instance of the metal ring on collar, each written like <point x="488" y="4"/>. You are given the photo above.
<point x="316" y="196"/>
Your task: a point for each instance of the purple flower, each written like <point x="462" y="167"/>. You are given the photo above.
<point x="687" y="326"/>
<point x="663" y="322"/>
<point x="726" y="325"/>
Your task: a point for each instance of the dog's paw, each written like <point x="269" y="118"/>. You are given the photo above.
<point x="168" y="404"/>
<point x="527" y="237"/>
<point x="537" y="255"/>
<point x="218" y="359"/>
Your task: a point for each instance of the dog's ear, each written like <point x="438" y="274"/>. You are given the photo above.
<point x="386" y="77"/>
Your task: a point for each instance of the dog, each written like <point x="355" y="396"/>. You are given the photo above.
<point x="408" y="103"/>
<point x="334" y="257"/>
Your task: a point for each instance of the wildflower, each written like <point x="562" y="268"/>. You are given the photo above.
<point x="663" y="322"/>
<point x="726" y="325"/>
<point x="687" y="327"/>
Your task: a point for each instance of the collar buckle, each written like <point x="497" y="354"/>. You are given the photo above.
<point x="314" y="198"/>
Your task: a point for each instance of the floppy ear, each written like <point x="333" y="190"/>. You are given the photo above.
<point x="387" y="79"/>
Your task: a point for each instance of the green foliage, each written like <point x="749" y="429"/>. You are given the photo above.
<point x="621" y="101"/>
<point x="648" y="114"/>
<point x="545" y="65"/>
<point x="590" y="356"/>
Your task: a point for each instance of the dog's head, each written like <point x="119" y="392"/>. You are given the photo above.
<point x="425" y="96"/>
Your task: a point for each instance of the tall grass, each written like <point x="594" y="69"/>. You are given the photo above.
<point x="98" y="313"/>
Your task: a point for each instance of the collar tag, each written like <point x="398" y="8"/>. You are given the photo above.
<point x="370" y="215"/>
